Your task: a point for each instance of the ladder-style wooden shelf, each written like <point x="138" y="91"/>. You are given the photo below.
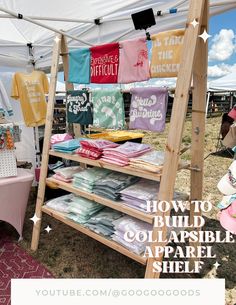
<point x="193" y="68"/>
<point x="122" y="169"/>
<point x="108" y="242"/>
<point x="116" y="205"/>
<point x="99" y="163"/>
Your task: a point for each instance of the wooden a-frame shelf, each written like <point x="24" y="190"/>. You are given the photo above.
<point x="99" y="163"/>
<point x="116" y="205"/>
<point x="193" y="67"/>
<point x="122" y="169"/>
<point x="108" y="242"/>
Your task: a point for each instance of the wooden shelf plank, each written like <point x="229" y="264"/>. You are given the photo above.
<point x="116" y="205"/>
<point x="98" y="163"/>
<point x="109" y="243"/>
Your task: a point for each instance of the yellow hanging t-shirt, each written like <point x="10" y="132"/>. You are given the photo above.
<point x="166" y="53"/>
<point x="31" y="89"/>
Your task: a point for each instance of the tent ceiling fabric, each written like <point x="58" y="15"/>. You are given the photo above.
<point x="15" y="34"/>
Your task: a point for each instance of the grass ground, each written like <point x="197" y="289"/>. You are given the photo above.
<point x="69" y="254"/>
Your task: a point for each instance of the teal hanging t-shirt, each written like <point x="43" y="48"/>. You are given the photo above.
<point x="108" y="109"/>
<point x="79" y="66"/>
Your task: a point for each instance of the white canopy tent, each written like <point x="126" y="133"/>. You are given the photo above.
<point x="26" y="23"/>
<point x="225" y="83"/>
<point x="85" y="22"/>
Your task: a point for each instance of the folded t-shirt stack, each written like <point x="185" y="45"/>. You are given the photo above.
<point x="61" y="204"/>
<point x="86" y="179"/>
<point x="122" y="154"/>
<point x="74" y="207"/>
<point x="127" y="223"/>
<point x="111" y="185"/>
<point x="68" y="147"/>
<point x="152" y="161"/>
<point x="81" y="210"/>
<point x="60" y="137"/>
<point x="93" y="149"/>
<point x="66" y="174"/>
<point x="137" y="195"/>
<point x="102" y="222"/>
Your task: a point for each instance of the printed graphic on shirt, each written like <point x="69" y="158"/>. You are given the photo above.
<point x="148" y="109"/>
<point x="31" y="89"/>
<point x="166" y="53"/>
<point x="105" y="63"/>
<point x="108" y="108"/>
<point x="79" y="107"/>
<point x="142" y="56"/>
<point x="134" y="63"/>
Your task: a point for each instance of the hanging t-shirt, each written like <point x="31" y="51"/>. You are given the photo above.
<point x="79" y="66"/>
<point x="5" y="105"/>
<point x="31" y="89"/>
<point x="79" y="107"/>
<point x="134" y="64"/>
<point x="166" y="53"/>
<point x="108" y="109"/>
<point x="148" y="108"/>
<point x="105" y="63"/>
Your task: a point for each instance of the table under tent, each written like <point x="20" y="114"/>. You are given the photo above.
<point x="35" y="35"/>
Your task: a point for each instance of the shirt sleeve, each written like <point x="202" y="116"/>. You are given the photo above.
<point x="14" y="89"/>
<point x="45" y="83"/>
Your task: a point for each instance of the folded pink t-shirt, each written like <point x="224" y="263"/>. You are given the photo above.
<point x="129" y="149"/>
<point x="58" y="138"/>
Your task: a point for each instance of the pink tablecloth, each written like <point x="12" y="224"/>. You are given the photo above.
<point x="14" y="194"/>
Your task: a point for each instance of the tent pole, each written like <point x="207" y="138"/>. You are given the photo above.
<point x="76" y="47"/>
<point x="19" y="16"/>
<point x="173" y="145"/>
<point x="207" y="103"/>
<point x="50" y="18"/>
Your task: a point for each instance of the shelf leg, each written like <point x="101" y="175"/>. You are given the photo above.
<point x="46" y="143"/>
<point x="198" y="121"/>
<point x="178" y="117"/>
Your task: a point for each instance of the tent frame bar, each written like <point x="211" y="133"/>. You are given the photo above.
<point x="73" y="20"/>
<point x="61" y="32"/>
<point x="228" y="5"/>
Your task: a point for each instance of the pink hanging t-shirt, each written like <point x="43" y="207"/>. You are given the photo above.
<point x="134" y="64"/>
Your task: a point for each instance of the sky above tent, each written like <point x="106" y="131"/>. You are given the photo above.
<point x="222" y="45"/>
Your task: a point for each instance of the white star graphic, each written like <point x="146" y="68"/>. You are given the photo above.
<point x="48" y="229"/>
<point x="217" y="265"/>
<point x="205" y="36"/>
<point x="57" y="39"/>
<point x="35" y="218"/>
<point x="194" y="23"/>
